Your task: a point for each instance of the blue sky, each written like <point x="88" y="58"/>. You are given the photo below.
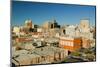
<point x="41" y="12"/>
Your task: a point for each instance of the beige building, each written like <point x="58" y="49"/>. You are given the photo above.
<point x="86" y="43"/>
<point x="84" y="25"/>
<point x="43" y="55"/>
<point x="54" y="32"/>
<point x="46" y="25"/>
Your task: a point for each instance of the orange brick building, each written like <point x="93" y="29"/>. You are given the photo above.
<point x="70" y="43"/>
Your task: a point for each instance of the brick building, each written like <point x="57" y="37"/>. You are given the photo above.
<point x="70" y="43"/>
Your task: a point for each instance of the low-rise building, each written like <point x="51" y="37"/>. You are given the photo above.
<point x="43" y="55"/>
<point x="37" y="34"/>
<point x="23" y="39"/>
<point x="70" y="43"/>
<point x="86" y="43"/>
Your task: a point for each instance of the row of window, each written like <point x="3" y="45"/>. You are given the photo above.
<point x="66" y="43"/>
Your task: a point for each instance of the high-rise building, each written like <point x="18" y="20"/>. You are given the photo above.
<point x="28" y="24"/>
<point x="84" y="25"/>
<point x="54" y="24"/>
<point x="46" y="25"/>
<point x="51" y="24"/>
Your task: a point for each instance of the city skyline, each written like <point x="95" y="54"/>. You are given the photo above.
<point x="42" y="12"/>
<point x="68" y="36"/>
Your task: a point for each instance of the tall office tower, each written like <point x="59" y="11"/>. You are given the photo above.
<point x="28" y="24"/>
<point x="51" y="25"/>
<point x="84" y="25"/>
<point x="46" y="25"/>
<point x="54" y="24"/>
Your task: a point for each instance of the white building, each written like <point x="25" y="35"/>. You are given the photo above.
<point x="16" y="30"/>
<point x="39" y="30"/>
<point x="72" y="31"/>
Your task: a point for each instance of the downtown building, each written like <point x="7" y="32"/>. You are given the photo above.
<point x="77" y="34"/>
<point x="70" y="43"/>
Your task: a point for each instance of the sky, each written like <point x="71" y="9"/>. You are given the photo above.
<point x="42" y="12"/>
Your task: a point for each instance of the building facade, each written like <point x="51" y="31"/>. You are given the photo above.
<point x="70" y="43"/>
